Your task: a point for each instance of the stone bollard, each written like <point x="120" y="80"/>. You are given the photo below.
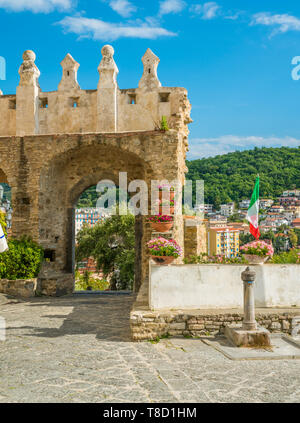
<point x="248" y="334"/>
<point x="249" y="322"/>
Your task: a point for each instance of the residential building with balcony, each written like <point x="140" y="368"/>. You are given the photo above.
<point x="223" y="241"/>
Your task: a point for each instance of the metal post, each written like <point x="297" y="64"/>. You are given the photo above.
<point x="249" y="322"/>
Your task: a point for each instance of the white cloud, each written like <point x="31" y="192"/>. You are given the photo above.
<point x="171" y="6"/>
<point x="206" y="11"/>
<point x="209" y="147"/>
<point x="281" y="23"/>
<point x="123" y="7"/>
<point x="36" y="6"/>
<point x="106" y="31"/>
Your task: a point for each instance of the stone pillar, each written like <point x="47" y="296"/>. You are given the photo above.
<point x="27" y="98"/>
<point x="107" y="112"/>
<point x="149" y="80"/>
<point x="248" y="335"/>
<point x="248" y="277"/>
<point x="69" y="77"/>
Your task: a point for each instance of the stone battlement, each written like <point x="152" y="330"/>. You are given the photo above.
<point x="71" y="109"/>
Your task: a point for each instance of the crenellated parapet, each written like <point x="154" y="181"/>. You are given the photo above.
<point x="108" y="108"/>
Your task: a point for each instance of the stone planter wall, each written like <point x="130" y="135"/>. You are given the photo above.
<point x="19" y="287"/>
<point x="147" y="325"/>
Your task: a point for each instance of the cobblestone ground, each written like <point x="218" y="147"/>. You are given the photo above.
<point x="78" y="349"/>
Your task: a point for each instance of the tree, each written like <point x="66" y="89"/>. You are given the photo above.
<point x="293" y="238"/>
<point x="235" y="218"/>
<point x="232" y="176"/>
<point x="111" y="244"/>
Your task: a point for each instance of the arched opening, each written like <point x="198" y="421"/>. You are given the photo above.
<point x="62" y="183"/>
<point x="5" y="201"/>
<point x="104" y="244"/>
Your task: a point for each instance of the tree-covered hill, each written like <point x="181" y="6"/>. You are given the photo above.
<point x="231" y="177"/>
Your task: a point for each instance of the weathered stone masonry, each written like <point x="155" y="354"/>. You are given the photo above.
<point x="55" y="145"/>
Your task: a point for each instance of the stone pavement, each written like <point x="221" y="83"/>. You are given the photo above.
<point x="78" y="349"/>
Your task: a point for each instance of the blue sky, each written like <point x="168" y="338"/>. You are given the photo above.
<point x="233" y="56"/>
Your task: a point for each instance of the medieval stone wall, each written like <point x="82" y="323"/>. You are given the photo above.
<point x="55" y="145"/>
<point x="71" y="109"/>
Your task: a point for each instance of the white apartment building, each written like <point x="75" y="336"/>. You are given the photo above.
<point x="227" y="209"/>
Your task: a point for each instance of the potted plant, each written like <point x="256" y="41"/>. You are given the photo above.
<point x="161" y="222"/>
<point x="164" y="251"/>
<point x="257" y="252"/>
<point x="168" y="188"/>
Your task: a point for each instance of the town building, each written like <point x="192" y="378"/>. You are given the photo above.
<point x="244" y="204"/>
<point x="223" y="242"/>
<point x="205" y="208"/>
<point x="88" y="216"/>
<point x="227" y="209"/>
<point x="265" y="203"/>
<point x="289" y="201"/>
<point x="296" y="223"/>
<point x="291" y="193"/>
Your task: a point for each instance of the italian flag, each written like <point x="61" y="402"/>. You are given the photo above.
<point x="252" y="214"/>
<point x="3" y="243"/>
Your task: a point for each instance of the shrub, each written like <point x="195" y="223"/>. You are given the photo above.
<point x="164" y="124"/>
<point x="86" y="282"/>
<point x="22" y="260"/>
<point x="291" y="257"/>
<point x="205" y="259"/>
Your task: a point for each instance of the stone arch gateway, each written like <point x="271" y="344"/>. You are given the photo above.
<point x="50" y="155"/>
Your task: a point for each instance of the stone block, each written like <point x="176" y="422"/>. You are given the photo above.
<point x="246" y="338"/>
<point x="177" y="326"/>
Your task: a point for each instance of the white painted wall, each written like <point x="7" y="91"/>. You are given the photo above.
<point x="220" y="286"/>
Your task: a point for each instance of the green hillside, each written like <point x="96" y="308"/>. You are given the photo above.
<point x="231" y="177"/>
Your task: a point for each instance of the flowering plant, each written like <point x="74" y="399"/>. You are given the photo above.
<point x="163" y="247"/>
<point x="161" y="218"/>
<point x="258" y="248"/>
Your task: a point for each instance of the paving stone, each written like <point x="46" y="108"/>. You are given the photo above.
<point x="74" y="349"/>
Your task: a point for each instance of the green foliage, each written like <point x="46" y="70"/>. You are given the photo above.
<point x="231" y="177"/>
<point x="290" y="257"/>
<point x="85" y="282"/>
<point x="293" y="238"/>
<point x="164" y="124"/>
<point x="90" y="196"/>
<point x="22" y="260"/>
<point x="7" y="192"/>
<point x="205" y="259"/>
<point x="111" y="243"/>
<point x="235" y="218"/>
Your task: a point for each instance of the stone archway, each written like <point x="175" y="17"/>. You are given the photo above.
<point x="3" y="177"/>
<point x="62" y="181"/>
<point x="48" y="172"/>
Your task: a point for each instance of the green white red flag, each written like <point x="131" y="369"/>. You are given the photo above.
<point x="3" y="243"/>
<point x="252" y="214"/>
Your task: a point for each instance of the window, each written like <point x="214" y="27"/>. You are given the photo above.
<point x="49" y="255"/>
<point x="43" y="103"/>
<point x="164" y="97"/>
<point x="75" y="102"/>
<point x="12" y="104"/>
<point x="131" y="98"/>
